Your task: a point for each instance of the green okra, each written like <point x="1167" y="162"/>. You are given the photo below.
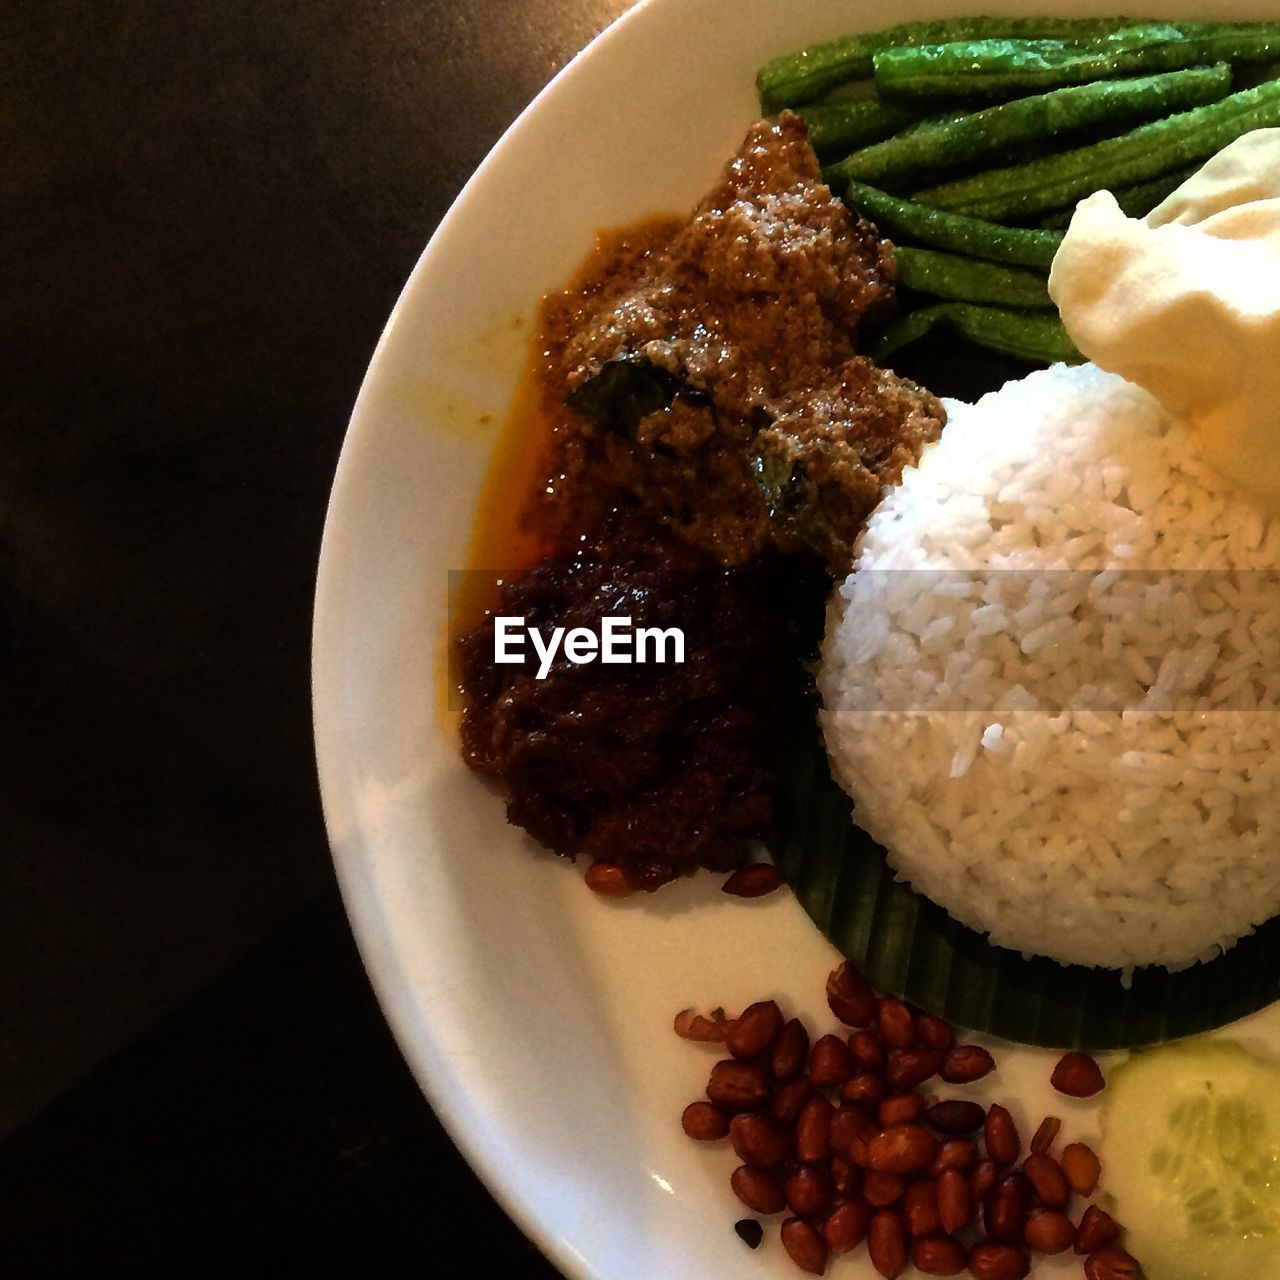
<point x="1052" y="182"/>
<point x="950" y="275"/>
<point x="839" y="126"/>
<point x="1137" y="201"/>
<point x="997" y="68"/>
<point x="962" y="139"/>
<point x="987" y="240"/>
<point x="808" y="73"/>
<point x="1034" y="336"/>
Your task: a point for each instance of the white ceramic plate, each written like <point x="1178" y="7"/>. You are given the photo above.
<point x="536" y="1016"/>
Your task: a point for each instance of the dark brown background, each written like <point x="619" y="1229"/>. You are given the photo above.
<point x="207" y="208"/>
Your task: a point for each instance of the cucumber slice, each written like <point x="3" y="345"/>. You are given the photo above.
<point x="1192" y="1157"/>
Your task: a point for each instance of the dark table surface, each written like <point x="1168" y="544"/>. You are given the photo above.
<point x="209" y="207"/>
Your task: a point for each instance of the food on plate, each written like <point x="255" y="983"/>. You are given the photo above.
<point x="1006" y="68"/>
<point x="713" y="432"/>
<point x="1038" y="738"/>
<point x="1046" y="737"/>
<point x="1077" y="1075"/>
<point x="949" y="141"/>
<point x="1049" y="182"/>
<point x="841" y="125"/>
<point x="846" y="1138"/>
<point x="1136" y="201"/>
<point x="1048" y="675"/>
<point x="1027" y="335"/>
<point x="1049" y="684"/>
<point x="714" y="373"/>
<point x="1200" y="273"/>
<point x="805" y="75"/>
<point x="954" y="170"/>
<point x="1029" y="247"/>
<point x="1192" y="1137"/>
<point x="949" y="275"/>
<point x="653" y="770"/>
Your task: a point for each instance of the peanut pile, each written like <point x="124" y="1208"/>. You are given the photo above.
<point x="838" y="1135"/>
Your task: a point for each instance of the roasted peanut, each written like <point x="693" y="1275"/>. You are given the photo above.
<point x="1045" y="1135"/>
<point x="759" y="1144"/>
<point x="966" y="1063"/>
<point x="804" y="1245"/>
<point x="939" y="1256"/>
<point x="920" y="1208"/>
<point x="956" y="1116"/>
<point x="906" y="1148"/>
<point x="737" y="1086"/>
<point x="868" y="1051"/>
<point x="896" y="1024"/>
<point x="1004" y="1208"/>
<point x="608" y="881"/>
<point x="863" y="1090"/>
<point x="829" y="1062"/>
<point x="988" y="1261"/>
<point x="808" y="1192"/>
<point x="1097" y="1229"/>
<point x="1077" y="1075"/>
<point x="755" y="1029"/>
<point x="902" y="1108"/>
<point x="790" y="1051"/>
<point x="1048" y="1231"/>
<point x="846" y="1228"/>
<point x="1045" y="1175"/>
<point x="981" y="1180"/>
<point x="1082" y="1168"/>
<point x="789" y="1100"/>
<point x="753" y="881"/>
<point x="887" y="1244"/>
<point x="850" y="997"/>
<point x="704" y="1122"/>
<point x="911" y="1067"/>
<point x="880" y="1189"/>
<point x="955" y="1203"/>
<point x="1003" y="1143"/>
<point x="934" y="1033"/>
<point x="1110" y="1263"/>
<point x="813" y="1131"/>
<point x="761" y="1192"/>
<point x="958" y="1153"/>
<point x="846" y="1177"/>
<point x="710" y="1029"/>
<point x="851" y="1126"/>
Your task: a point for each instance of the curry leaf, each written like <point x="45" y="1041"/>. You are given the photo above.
<point x="627" y="389"/>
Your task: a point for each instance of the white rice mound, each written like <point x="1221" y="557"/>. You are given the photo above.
<point x="1080" y="760"/>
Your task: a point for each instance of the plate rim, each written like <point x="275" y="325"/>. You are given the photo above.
<point x="482" y="1159"/>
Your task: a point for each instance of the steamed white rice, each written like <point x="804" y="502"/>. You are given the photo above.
<point x="1052" y="684"/>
